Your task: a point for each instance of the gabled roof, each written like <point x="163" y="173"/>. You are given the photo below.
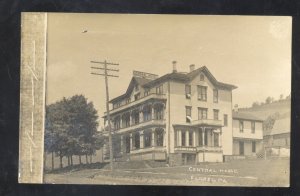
<point x="175" y="76"/>
<point x="281" y="126"/>
<point x="186" y="77"/>
<point x="134" y="80"/>
<point x="245" y="116"/>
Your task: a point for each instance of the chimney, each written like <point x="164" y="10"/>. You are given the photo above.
<point x="174" y="66"/>
<point x="236" y="108"/>
<point x="192" y="67"/>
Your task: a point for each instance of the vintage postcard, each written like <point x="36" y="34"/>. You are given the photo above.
<point x="136" y="99"/>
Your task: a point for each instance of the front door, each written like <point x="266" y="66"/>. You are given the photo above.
<point x="127" y="144"/>
<point x="241" y="147"/>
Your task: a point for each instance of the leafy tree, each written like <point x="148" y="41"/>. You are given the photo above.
<point x="269" y="122"/>
<point x="255" y="104"/>
<point x="281" y="97"/>
<point x="71" y="128"/>
<point x="268" y="100"/>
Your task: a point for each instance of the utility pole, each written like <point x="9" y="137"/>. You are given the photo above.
<point x="106" y="75"/>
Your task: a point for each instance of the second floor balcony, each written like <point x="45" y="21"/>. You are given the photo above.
<point x="141" y="125"/>
<point x="140" y="101"/>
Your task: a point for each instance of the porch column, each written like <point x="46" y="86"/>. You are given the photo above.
<point x="121" y="121"/>
<point x="122" y="144"/>
<point x="141" y="139"/>
<point x="164" y="137"/>
<point x="220" y="138"/>
<point x="212" y="137"/>
<point x="153" y="139"/>
<point x="203" y="135"/>
<point x="152" y="112"/>
<point x="141" y="116"/>
<point x="179" y="143"/>
<point x="131" y="141"/>
<point x="194" y="138"/>
<point x="187" y="137"/>
<point x="130" y="119"/>
<point x="197" y="137"/>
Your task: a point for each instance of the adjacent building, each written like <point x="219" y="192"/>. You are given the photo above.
<point x="247" y="134"/>
<point x="279" y="136"/>
<point x="180" y="118"/>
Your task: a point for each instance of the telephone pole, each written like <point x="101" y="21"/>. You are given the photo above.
<point x="106" y="75"/>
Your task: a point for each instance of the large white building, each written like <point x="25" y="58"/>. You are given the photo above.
<point x="179" y="117"/>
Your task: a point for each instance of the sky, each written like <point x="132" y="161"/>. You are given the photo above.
<point x="251" y="52"/>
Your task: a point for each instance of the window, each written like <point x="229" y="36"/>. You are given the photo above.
<point x="188" y="91"/>
<point x="146" y="93"/>
<point x="202" y="93"/>
<point x="190" y="138"/>
<point x="216" y="139"/>
<point x="200" y="139"/>
<point x="253" y="127"/>
<point x="137" y="140"/>
<point x="182" y="138"/>
<point x="137" y="96"/>
<point x="201" y="77"/>
<point x="127" y="143"/>
<point x="128" y="100"/>
<point x="158" y="112"/>
<point x="117" y="123"/>
<point x="147" y="138"/>
<point x="225" y="120"/>
<point x="159" y="89"/>
<point x="136" y="117"/>
<point x="202" y="113"/>
<point x="147" y="113"/>
<point x="253" y="146"/>
<point x="159" y="137"/>
<point x="216" y="96"/>
<point x="241" y="126"/>
<point x="216" y="114"/>
<point x="188" y="112"/>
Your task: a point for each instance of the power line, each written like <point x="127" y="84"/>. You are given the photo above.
<point x="106" y="75"/>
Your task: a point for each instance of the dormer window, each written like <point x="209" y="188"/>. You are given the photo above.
<point x="136" y="87"/>
<point x="127" y="100"/>
<point x="201" y="77"/>
<point x="137" y="96"/>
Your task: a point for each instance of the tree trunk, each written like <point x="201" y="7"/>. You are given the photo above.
<point x="86" y="159"/>
<point x="60" y="159"/>
<point x="80" y="159"/>
<point x="68" y="160"/>
<point x="52" y="161"/>
<point x="72" y="160"/>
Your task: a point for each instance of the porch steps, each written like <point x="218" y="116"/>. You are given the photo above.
<point x="136" y="164"/>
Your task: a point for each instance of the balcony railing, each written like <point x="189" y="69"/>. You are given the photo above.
<point x="139" y="101"/>
<point x="148" y="149"/>
<point x="210" y="122"/>
<point x="157" y="122"/>
<point x="199" y="148"/>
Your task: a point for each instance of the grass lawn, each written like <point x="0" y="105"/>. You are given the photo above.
<point x="256" y="172"/>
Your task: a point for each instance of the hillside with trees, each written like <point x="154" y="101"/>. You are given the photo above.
<point x="270" y="110"/>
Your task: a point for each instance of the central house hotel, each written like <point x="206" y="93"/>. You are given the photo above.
<point x="181" y="118"/>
